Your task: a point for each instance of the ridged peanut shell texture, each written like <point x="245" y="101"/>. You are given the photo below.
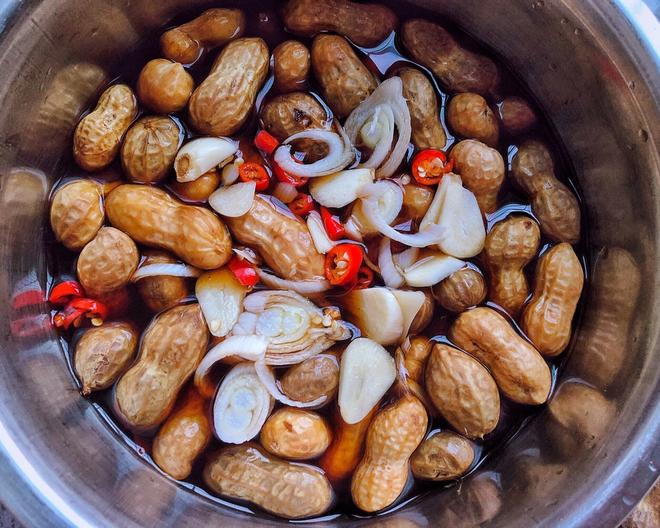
<point x="291" y="64"/>
<point x="150" y="216"/>
<point x="442" y="456"/>
<point x="289" y="490"/>
<point x="161" y="291"/>
<point x="164" y="86"/>
<point x="221" y="104"/>
<point x="547" y="318"/>
<point x="314" y="378"/>
<point x="76" y="213"/>
<point x="97" y="137"/>
<point x="296" y="434"/>
<point x="469" y="115"/>
<point x="461" y="290"/>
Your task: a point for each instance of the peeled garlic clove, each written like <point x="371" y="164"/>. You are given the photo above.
<point x="234" y="200"/>
<point x="200" y="155"/>
<point x="431" y="269"/>
<point x="242" y="405"/>
<point x="376" y="312"/>
<point x="320" y="237"/>
<point x="411" y="303"/>
<point x="389" y="203"/>
<point x="341" y="188"/>
<point x="220" y="296"/>
<point x="366" y="373"/>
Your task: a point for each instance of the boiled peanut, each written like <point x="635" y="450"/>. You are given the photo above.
<point x="469" y="115"/>
<point x="482" y="170"/>
<point x="345" y="451"/>
<point x="212" y="28"/>
<point x="416" y="201"/>
<point x="458" y="70"/>
<point x="103" y="353"/>
<point x="108" y="262"/>
<point x="553" y="203"/>
<point x="603" y="339"/>
<point x="149" y="148"/>
<point x="518" y="368"/>
<point x="295" y="434"/>
<point x="463" y="391"/>
<point x="76" y="213"/>
<point x="162" y="291"/>
<point x="442" y="456"/>
<point x="171" y="348"/>
<point x="411" y="360"/>
<point x="200" y="189"/>
<point x="393" y="436"/>
<point x="222" y="103"/>
<point x="365" y="24"/>
<point x="427" y="131"/>
<point x="517" y="115"/>
<point x="97" y="137"/>
<point x="344" y="80"/>
<point x="547" y="318"/>
<point x="461" y="290"/>
<point x="509" y="247"/>
<point x="152" y="217"/>
<point x="424" y="315"/>
<point x="314" y="378"/>
<point x="289" y="490"/>
<point x="281" y="238"/>
<point x="291" y="63"/>
<point x="164" y="86"/>
<point x="183" y="437"/>
<point x="578" y="417"/>
<point x="474" y="503"/>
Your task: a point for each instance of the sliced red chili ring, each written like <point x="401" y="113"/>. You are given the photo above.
<point x="342" y="264"/>
<point x="64" y="291"/>
<point x="430" y="165"/>
<point x="365" y="277"/>
<point x="244" y="271"/>
<point x="266" y="142"/>
<point x="285" y="177"/>
<point x="254" y="172"/>
<point x="333" y="226"/>
<point x="302" y="204"/>
<point x="78" y="309"/>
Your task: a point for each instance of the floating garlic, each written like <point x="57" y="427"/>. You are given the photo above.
<point x="200" y="155"/>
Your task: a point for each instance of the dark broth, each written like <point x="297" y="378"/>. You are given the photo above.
<point x="263" y="20"/>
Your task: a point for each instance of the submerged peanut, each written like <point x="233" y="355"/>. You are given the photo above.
<point x="164" y="86"/>
<point x="291" y="64"/>
<point x="314" y="378"/>
<point x="76" y="213"/>
<point x="161" y="291"/>
<point x="442" y="456"/>
<point x="461" y="290"/>
<point x="296" y="434"/>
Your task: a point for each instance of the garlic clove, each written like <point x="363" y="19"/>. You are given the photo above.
<point x="234" y="200"/>
<point x="220" y="296"/>
<point x="433" y="267"/>
<point x="341" y="188"/>
<point x="376" y="312"/>
<point x="201" y="155"/>
<point x="411" y="303"/>
<point x="320" y="237"/>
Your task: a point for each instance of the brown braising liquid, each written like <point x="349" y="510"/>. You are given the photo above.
<point x="263" y="20"/>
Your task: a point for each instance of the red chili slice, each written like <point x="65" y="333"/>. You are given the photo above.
<point x="64" y="291"/>
<point x="365" y="278"/>
<point x="266" y="142"/>
<point x="244" y="271"/>
<point x="255" y="172"/>
<point x="285" y="177"/>
<point x="333" y="226"/>
<point x="77" y="310"/>
<point x="430" y="165"/>
<point x="302" y="204"/>
<point x="342" y="264"/>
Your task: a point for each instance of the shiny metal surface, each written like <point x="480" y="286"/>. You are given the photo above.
<point x="584" y="461"/>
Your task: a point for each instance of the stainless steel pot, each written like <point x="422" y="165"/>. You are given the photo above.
<point x="584" y="461"/>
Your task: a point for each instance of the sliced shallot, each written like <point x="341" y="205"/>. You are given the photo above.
<point x="267" y="378"/>
<point x="164" y="269"/>
<point x="431" y="269"/>
<point x="388" y="270"/>
<point x="202" y="154"/>
<point x="234" y="200"/>
<point x="304" y="287"/>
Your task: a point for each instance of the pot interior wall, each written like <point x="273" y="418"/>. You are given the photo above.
<point x="584" y="461"/>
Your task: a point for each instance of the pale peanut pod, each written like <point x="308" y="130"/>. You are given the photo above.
<point x="345" y="451"/>
<point x="345" y="81"/>
<point x="164" y="86"/>
<point x="150" y="216"/>
<point x="170" y="350"/>
<point x="482" y="170"/>
<point x="463" y="391"/>
<point x="289" y="490"/>
<point x="76" y="213"/>
<point x="97" y="137"/>
<point x="442" y="456"/>
<point x="314" y="378"/>
<point x="149" y="148"/>
<point x="578" y="418"/>
<point x="461" y="290"/>
<point x="364" y="24"/>
<point x="469" y="115"/>
<point x="183" y="437"/>
<point x="103" y="353"/>
<point x="108" y="262"/>
<point x="162" y="291"/>
<point x="212" y="28"/>
<point x="221" y="104"/>
<point x="291" y="64"/>
<point x="517" y="367"/>
<point x="516" y="115"/>
<point x="553" y="203"/>
<point x="200" y="189"/>
<point x="281" y="238"/>
<point x="416" y="353"/>
<point x="295" y="434"/>
<point x="427" y="131"/>
<point x="416" y="201"/>
<point x="393" y="436"/>
<point x="548" y="316"/>
<point x="458" y="70"/>
<point x="510" y="246"/>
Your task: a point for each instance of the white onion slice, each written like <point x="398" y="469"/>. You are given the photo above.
<point x="389" y="94"/>
<point x="382" y="148"/>
<point x="320" y="237"/>
<point x="285" y="192"/>
<point x="165" y="269"/>
<point x="202" y="154"/>
<point x="267" y="378"/>
<point x="431" y="269"/>
<point x="248" y="347"/>
<point x="406" y="258"/>
<point x="235" y="200"/>
<point x="340" y="153"/>
<point x="388" y="270"/>
<point x="303" y="287"/>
